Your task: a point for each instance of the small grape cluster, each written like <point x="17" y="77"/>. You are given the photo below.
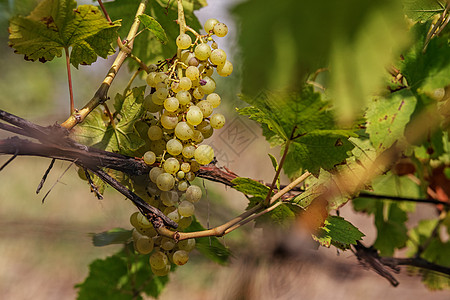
<point x="180" y="116"/>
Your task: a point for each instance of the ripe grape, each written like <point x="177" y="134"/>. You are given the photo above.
<point x="218" y="57"/>
<point x="220" y="29"/>
<point x="165" y="181"/>
<point x="217" y="121"/>
<point x="214" y="99"/>
<point x="194" y="115"/>
<point x="154" y="173"/>
<point x="206" y="108"/>
<point x="183" y="131"/>
<point x="198" y="93"/>
<point x="142" y="221"/>
<point x="169" y="120"/>
<point x="193" y="62"/>
<point x="186" y="245"/>
<point x="183" y="41"/>
<point x="171" y="165"/>
<point x="161" y="272"/>
<point x="171" y="104"/>
<point x="186" y="209"/>
<point x="174" y="147"/>
<point x="204" y="126"/>
<point x="149" y="157"/>
<point x="167" y="243"/>
<point x="204" y="154"/>
<point x="188" y="151"/>
<point x="174" y="216"/>
<point x="184" y="97"/>
<point x="189" y="176"/>
<point x="185" y="167"/>
<point x="184" y="222"/>
<point x="154" y="133"/>
<point x="144" y="245"/>
<point x="182" y="186"/>
<point x="157" y="100"/>
<point x="185" y="83"/>
<point x="192" y="73"/>
<point x="202" y="51"/>
<point x="180" y="257"/>
<point x="193" y="193"/>
<point x="158" y="260"/>
<point x="209" y="24"/>
<point x="133" y="219"/>
<point x="208" y="86"/>
<point x="162" y="93"/>
<point x="160" y="77"/>
<point x="197" y="137"/>
<point x="226" y="69"/>
<point x="180" y="174"/>
<point x="151" y="79"/>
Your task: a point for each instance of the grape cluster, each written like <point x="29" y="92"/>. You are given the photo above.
<point x="179" y="117"/>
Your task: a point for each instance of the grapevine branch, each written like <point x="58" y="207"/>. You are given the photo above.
<point x="101" y="95"/>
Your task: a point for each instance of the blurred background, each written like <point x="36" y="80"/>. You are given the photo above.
<point x="45" y="248"/>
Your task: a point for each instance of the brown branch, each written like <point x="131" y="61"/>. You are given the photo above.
<point x="415" y="262"/>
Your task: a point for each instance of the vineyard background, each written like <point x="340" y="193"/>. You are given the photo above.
<point x="46" y="248"/>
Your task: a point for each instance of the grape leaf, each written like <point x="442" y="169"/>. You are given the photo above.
<point x="317" y="143"/>
<point x="122" y="137"/>
<point x="154" y="27"/>
<point x="387" y="118"/>
<point x="112" y="236"/>
<point x="55" y="25"/>
<point x="339" y="233"/>
<point x="119" y="276"/>
<point x="250" y="187"/>
<point x="429" y="70"/>
<point x="210" y="247"/>
<point x="147" y="46"/>
<point x="423" y="10"/>
<point x="282" y="216"/>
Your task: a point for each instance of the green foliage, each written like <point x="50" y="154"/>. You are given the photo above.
<point x="120" y="137"/>
<point x="55" y="25"/>
<point x="339" y="233"/>
<point x="359" y="39"/>
<point x="387" y="118"/>
<point x="147" y="46"/>
<point x="125" y="275"/>
<point x="250" y="187"/>
<point x="210" y="247"/>
<point x="317" y="142"/>
<point x="423" y="10"/>
<point x="436" y="252"/>
<point x="154" y="27"/>
<point x="429" y="70"/>
<point x="112" y="236"/>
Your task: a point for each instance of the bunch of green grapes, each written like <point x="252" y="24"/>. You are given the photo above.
<point x="180" y="115"/>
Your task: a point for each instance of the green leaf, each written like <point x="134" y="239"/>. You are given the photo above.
<point x="423" y="10"/>
<point x="119" y="276"/>
<point x="123" y="137"/>
<point x="55" y="25"/>
<point x="387" y="118"/>
<point x="112" y="236"/>
<point x="429" y="70"/>
<point x="154" y="27"/>
<point x="275" y="167"/>
<point x="147" y="46"/>
<point x="317" y="142"/>
<point x="210" y="247"/>
<point x="250" y="187"/>
<point x="282" y="216"/>
<point x="338" y="232"/>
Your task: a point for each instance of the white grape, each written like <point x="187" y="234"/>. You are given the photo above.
<point x="186" y="209"/>
<point x="220" y="29"/>
<point x="202" y="51"/>
<point x="183" y="131"/>
<point x="198" y="93"/>
<point x="154" y="133"/>
<point x="192" y="73"/>
<point x="169" y="120"/>
<point x="184" y="97"/>
<point x="171" y="104"/>
<point x="165" y="181"/>
<point x="171" y="165"/>
<point x="169" y="198"/>
<point x="184" y="222"/>
<point x="158" y="260"/>
<point x="226" y="69"/>
<point x="193" y="193"/>
<point x="149" y="157"/>
<point x="218" y="57"/>
<point x="154" y="173"/>
<point x="206" y="108"/>
<point x="204" y="154"/>
<point x="189" y="176"/>
<point x="204" y="126"/>
<point x="174" y="147"/>
<point x="143" y="221"/>
<point x="214" y="99"/>
<point x="186" y="245"/>
<point x="185" y="167"/>
<point x="180" y="257"/>
<point x="188" y="151"/>
<point x="209" y="24"/>
<point x="217" y="121"/>
<point x="185" y="83"/>
<point x="194" y="115"/>
<point x="144" y="245"/>
<point x="183" y="41"/>
<point x="167" y="243"/>
<point x="182" y="186"/>
<point x="161" y="272"/>
<point x="157" y="100"/>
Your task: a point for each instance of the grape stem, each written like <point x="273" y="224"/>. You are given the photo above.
<point x="101" y="95"/>
<point x="237" y="222"/>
